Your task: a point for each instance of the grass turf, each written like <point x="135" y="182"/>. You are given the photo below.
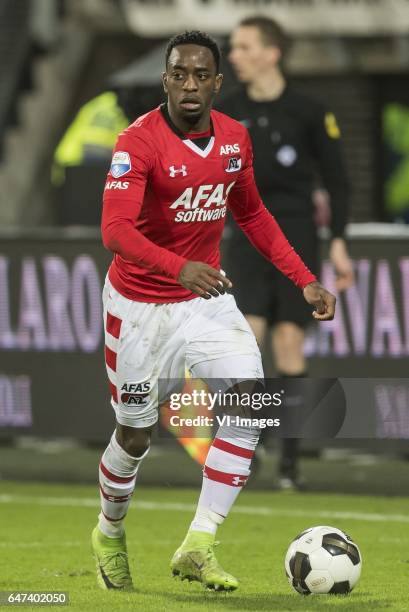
<point x="45" y="533"/>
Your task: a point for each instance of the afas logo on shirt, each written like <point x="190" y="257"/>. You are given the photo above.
<point x="117" y="185"/>
<point x="204" y="196"/>
<point x="228" y="149"/>
<point x="206" y="203"/>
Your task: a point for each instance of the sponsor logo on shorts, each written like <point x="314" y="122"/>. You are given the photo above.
<point x="135" y="393"/>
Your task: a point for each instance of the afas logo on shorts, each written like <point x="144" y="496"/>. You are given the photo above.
<point x="135" y="394"/>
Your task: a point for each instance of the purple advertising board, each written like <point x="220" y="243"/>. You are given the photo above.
<point x="52" y="374"/>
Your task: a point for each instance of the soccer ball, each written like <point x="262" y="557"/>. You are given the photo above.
<point x="323" y="560"/>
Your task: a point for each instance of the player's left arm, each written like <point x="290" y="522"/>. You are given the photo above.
<point x="266" y="235"/>
<point x="327" y="149"/>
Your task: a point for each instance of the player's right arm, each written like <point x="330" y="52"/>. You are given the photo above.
<point x="122" y="203"/>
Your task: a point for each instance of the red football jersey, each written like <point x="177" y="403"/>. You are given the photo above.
<point x="165" y="202"/>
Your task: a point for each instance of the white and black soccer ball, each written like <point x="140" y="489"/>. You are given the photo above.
<point x="323" y="560"/>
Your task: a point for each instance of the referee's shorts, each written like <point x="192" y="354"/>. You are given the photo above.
<point x="259" y="288"/>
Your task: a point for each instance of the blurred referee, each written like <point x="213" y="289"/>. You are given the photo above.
<point x="294" y="139"/>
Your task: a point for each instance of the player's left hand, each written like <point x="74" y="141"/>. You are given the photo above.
<point x="322" y="300"/>
<point x="342" y="263"/>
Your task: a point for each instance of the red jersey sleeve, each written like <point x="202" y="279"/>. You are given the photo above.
<point x="262" y="229"/>
<point x="133" y="159"/>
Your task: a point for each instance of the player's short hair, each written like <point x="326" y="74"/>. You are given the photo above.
<point x="195" y="37"/>
<point x="271" y="31"/>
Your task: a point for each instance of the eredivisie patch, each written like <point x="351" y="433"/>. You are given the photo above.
<point x="121" y="164"/>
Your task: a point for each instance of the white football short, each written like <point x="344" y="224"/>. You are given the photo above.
<point x="145" y="342"/>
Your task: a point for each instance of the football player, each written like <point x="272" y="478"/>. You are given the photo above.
<point x="174" y="172"/>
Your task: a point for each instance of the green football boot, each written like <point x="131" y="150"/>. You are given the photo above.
<point x="111" y="559"/>
<point x="195" y="560"/>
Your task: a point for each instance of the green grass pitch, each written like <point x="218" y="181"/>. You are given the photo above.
<point x="45" y="533"/>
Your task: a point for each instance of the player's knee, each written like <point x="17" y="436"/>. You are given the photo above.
<point x="137" y="445"/>
<point x="134" y="441"/>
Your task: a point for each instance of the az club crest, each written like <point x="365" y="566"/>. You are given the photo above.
<point x="233" y="164"/>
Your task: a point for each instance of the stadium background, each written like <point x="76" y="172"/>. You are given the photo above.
<point x="54" y="406"/>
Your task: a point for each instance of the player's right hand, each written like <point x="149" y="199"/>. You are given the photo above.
<point x="204" y="280"/>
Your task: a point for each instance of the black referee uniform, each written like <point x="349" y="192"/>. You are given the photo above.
<point x="295" y="139"/>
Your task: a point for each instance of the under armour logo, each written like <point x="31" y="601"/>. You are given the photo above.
<point x="237" y="481"/>
<point x="174" y="171"/>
